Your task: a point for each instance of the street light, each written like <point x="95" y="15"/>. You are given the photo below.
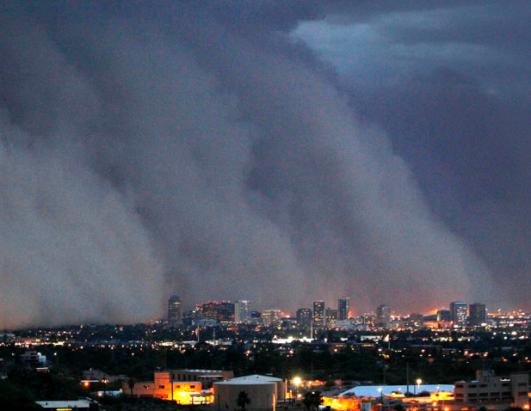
<point x="418" y="381"/>
<point x="296" y="381"/>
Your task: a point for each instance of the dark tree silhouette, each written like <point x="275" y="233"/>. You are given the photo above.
<point x="131" y="384"/>
<point x="312" y="400"/>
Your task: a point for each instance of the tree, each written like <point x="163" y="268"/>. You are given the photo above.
<point x="131" y="384"/>
<point x="312" y="400"/>
<point x="243" y="400"/>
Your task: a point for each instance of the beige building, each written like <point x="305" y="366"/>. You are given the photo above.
<point x="205" y="377"/>
<point x="492" y="392"/>
<point x="261" y="391"/>
<point x="165" y="387"/>
<point x="281" y="385"/>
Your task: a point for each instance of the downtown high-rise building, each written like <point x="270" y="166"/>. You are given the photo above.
<point x="477" y="314"/>
<point x="241" y="311"/>
<point x="331" y="317"/>
<point x="459" y="313"/>
<point x="221" y="311"/>
<point x="319" y="315"/>
<point x="174" y="311"/>
<point x="383" y="316"/>
<point x="271" y="316"/>
<point x="343" y="308"/>
<point x="304" y="318"/>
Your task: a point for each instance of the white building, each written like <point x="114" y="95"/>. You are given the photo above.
<point x="262" y="391"/>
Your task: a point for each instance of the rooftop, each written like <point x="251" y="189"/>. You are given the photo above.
<point x="251" y="380"/>
<point x="379" y="390"/>
<point x="64" y="404"/>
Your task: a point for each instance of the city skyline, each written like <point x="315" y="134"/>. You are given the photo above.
<point x="281" y="152"/>
<point x="318" y="315"/>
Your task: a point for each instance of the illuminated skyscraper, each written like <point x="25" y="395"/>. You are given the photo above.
<point x="319" y="315"/>
<point x="383" y="316"/>
<point x="304" y="318"/>
<point x="241" y="311"/>
<point x="174" y="311"/>
<point x="271" y="316"/>
<point x="478" y="314"/>
<point x="331" y="317"/>
<point x="343" y="307"/>
<point x="221" y="311"/>
<point x="459" y="309"/>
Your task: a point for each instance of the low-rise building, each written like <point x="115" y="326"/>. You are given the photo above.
<point x="281" y="389"/>
<point x="206" y="377"/>
<point x="492" y="392"/>
<point x="168" y="385"/>
<point x="261" y="393"/>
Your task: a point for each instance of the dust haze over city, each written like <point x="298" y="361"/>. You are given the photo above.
<point x="280" y="152"/>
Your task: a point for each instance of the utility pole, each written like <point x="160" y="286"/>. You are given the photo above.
<point x="407" y="377"/>
<point x="171" y="384"/>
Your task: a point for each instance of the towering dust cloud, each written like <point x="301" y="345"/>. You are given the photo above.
<point x="150" y="150"/>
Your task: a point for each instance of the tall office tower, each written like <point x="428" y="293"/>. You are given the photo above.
<point x="458" y="309"/>
<point x="221" y="311"/>
<point x="383" y="316"/>
<point x="241" y="311"/>
<point x="343" y="307"/>
<point x="174" y="311"/>
<point x="304" y="318"/>
<point x="319" y="315"/>
<point x="331" y="317"/>
<point x="271" y="316"/>
<point x="478" y="314"/>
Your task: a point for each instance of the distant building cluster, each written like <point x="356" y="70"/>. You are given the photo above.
<point x="320" y="317"/>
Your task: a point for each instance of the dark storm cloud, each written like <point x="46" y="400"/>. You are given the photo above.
<point x="150" y="149"/>
<point x="451" y="87"/>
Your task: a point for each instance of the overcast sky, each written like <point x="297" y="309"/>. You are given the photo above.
<point x="274" y="151"/>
